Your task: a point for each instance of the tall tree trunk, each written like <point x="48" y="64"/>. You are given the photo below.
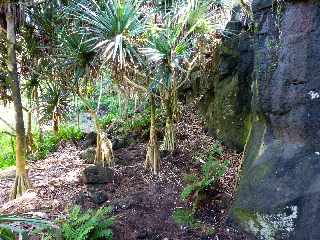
<point x="153" y="154"/>
<point x="21" y="183"/>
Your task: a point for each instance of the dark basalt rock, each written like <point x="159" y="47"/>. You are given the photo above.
<point x="99" y="197"/>
<point x="226" y="104"/>
<point x="89" y="141"/>
<point x="279" y="192"/>
<point x="97" y="175"/>
<point x="88" y="155"/>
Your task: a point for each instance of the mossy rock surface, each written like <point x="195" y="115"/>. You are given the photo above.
<point x="279" y="192"/>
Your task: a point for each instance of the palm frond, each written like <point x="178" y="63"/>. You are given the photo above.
<point x="114" y="27"/>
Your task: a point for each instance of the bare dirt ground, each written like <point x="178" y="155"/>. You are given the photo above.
<point x="142" y="203"/>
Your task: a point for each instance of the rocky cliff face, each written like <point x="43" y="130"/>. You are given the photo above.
<point x="279" y="192"/>
<point x="226" y="102"/>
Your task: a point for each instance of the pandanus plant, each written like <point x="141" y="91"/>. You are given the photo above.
<point x="113" y="26"/>
<point x="77" y="58"/>
<point x="9" y="20"/>
<point x="118" y="29"/>
<point x="173" y="52"/>
<point x="54" y="104"/>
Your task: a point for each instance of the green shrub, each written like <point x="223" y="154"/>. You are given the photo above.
<point x="7" y="153"/>
<point x="50" y="141"/>
<point x="107" y="119"/>
<point x="48" y="144"/>
<point x="199" y="186"/>
<point x="68" y="133"/>
<point x="139" y="122"/>
<point x="185" y="217"/>
<point x="89" y="225"/>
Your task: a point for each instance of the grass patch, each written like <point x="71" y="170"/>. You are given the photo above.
<point x="7" y="153"/>
<point x="50" y="140"/>
<point x="48" y="144"/>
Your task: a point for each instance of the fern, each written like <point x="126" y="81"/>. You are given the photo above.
<point x="90" y="225"/>
<point x="185" y="217"/>
<point x="199" y="187"/>
<point x="187" y="192"/>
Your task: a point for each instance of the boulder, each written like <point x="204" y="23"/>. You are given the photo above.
<point x="279" y="192"/>
<point x="90" y="140"/>
<point x="97" y="175"/>
<point x="99" y="197"/>
<point x="88" y="155"/>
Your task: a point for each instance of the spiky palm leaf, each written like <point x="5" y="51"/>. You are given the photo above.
<point x="114" y="26"/>
<point x="173" y="44"/>
<point x="76" y="54"/>
<point x="54" y="99"/>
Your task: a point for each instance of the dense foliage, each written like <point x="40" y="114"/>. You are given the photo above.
<point x="118" y="64"/>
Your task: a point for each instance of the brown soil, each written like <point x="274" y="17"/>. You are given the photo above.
<point x="142" y="203"/>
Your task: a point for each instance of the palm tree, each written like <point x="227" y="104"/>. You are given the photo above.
<point x="113" y="26"/>
<point x="21" y="183"/>
<point x="54" y="104"/>
<point x="118" y="28"/>
<point x="173" y="52"/>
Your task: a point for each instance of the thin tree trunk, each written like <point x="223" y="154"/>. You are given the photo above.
<point x="169" y="135"/>
<point x="21" y="181"/>
<point x="56" y="123"/>
<point x="104" y="153"/>
<point x="29" y="137"/>
<point x="153" y="153"/>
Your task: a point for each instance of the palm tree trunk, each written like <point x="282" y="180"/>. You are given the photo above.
<point x="29" y="137"/>
<point x="153" y="153"/>
<point x="55" y="123"/>
<point x="104" y="152"/>
<point x="21" y="181"/>
<point x="169" y="135"/>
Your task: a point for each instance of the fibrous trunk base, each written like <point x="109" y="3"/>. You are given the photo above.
<point x="153" y="157"/>
<point x="104" y="152"/>
<point x="169" y="136"/>
<point x="21" y="185"/>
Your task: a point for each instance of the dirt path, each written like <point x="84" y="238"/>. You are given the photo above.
<point x="143" y="204"/>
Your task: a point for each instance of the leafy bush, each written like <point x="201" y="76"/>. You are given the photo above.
<point x="68" y="133"/>
<point x="50" y="140"/>
<point x="7" y="154"/>
<point x="185" y="217"/>
<point x="140" y="122"/>
<point x="48" y="144"/>
<point x="199" y="186"/>
<point x="107" y="119"/>
<point x="89" y="225"/>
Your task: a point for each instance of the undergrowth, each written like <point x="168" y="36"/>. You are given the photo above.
<point x="84" y="225"/>
<point x="50" y="141"/>
<point x="7" y="153"/>
<point x="200" y="187"/>
<point x="79" y="225"/>
<point x="48" y="144"/>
